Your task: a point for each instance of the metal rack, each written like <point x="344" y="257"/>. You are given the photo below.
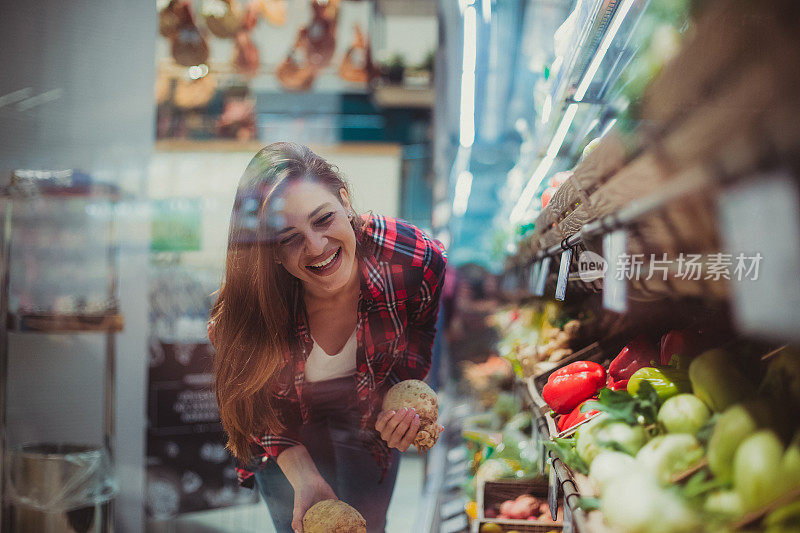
<point x="108" y="324"/>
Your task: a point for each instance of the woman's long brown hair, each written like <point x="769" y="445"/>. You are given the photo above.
<point x="250" y="323"/>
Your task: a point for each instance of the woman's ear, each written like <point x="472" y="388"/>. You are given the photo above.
<point x="345" y="200"/>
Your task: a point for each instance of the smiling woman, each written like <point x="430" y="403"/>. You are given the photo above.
<point x="320" y="312"/>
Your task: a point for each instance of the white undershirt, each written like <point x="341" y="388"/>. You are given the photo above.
<point x="321" y="366"/>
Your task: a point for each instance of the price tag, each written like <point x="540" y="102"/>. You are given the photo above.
<point x="453" y="481"/>
<point x="563" y="274"/>
<point x="545" y="269"/>
<point x="615" y="290"/>
<point x="760" y="233"/>
<point x="533" y="277"/>
<point x="455" y="525"/>
<point x="552" y="491"/>
<point x="568" y="526"/>
<point x="458" y="468"/>
<point x="543" y="464"/>
<point x="506" y="284"/>
<point x="457" y="455"/>
<point x="453" y="507"/>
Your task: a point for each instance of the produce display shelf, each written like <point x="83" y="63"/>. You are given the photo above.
<point x="60" y="323"/>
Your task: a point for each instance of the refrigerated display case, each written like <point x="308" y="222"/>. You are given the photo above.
<point x="677" y="232"/>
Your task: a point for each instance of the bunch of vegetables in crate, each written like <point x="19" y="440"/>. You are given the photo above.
<point x="524" y="507"/>
<point x="499" y="444"/>
<point x="535" y="338"/>
<point x="707" y="442"/>
<point x="487" y="379"/>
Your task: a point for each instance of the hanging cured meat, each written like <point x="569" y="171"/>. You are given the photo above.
<point x="357" y="66"/>
<point x="223" y="18"/>
<point x="273" y="11"/>
<point x="292" y="73"/>
<point x="169" y="18"/>
<point x="251" y="15"/>
<point x="331" y="9"/>
<point x="163" y="88"/>
<point x="319" y="37"/>
<point x="188" y="45"/>
<point x="246" y="58"/>
<point x="191" y="94"/>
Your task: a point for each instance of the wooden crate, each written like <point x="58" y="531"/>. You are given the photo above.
<point x="605" y="160"/>
<point x="492" y="493"/>
<point x="523" y="526"/>
<point x="729" y="36"/>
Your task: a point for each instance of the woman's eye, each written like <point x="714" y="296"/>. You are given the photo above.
<point x="325" y="219"/>
<point x="288" y="240"/>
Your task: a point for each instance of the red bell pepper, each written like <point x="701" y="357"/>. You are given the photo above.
<point x="569" y="386"/>
<point x="639" y="353"/>
<point x="686" y="342"/>
<point x="621" y="384"/>
<point x="575" y="417"/>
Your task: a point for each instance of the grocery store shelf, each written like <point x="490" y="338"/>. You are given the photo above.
<point x="221" y="145"/>
<point x="58" y="323"/>
<point x="689" y="183"/>
<point x="404" y="96"/>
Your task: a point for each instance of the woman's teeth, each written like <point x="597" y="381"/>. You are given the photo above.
<point x="327" y="262"/>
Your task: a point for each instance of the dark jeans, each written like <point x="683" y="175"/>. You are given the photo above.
<point x="332" y="440"/>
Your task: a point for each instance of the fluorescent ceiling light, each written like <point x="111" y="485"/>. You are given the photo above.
<point x="518" y="213"/>
<point x="547" y="108"/>
<point x="461" y="196"/>
<point x="561" y="132"/>
<point x="608" y="127"/>
<point x="469" y="55"/>
<point x="470" y="38"/>
<point x="605" y="44"/>
<point x="467" y="118"/>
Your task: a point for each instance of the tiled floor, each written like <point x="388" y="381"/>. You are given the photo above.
<point x="255" y="519"/>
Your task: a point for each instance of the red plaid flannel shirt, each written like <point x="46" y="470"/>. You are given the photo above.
<point x="402" y="274"/>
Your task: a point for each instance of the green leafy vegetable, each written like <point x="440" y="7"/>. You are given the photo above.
<point x="564" y="449"/>
<point x="619" y="405"/>
<point x="587" y="503"/>
<point x="701" y="483"/>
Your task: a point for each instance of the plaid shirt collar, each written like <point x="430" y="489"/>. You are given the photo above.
<point x="373" y="290"/>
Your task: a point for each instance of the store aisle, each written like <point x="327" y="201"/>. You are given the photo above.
<point x="254" y="518"/>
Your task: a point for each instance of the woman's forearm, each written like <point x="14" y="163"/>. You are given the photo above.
<point x="297" y="466"/>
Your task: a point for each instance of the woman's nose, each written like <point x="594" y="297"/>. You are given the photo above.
<point x="315" y="244"/>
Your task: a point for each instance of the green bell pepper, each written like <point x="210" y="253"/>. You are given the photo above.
<point x="667" y="381"/>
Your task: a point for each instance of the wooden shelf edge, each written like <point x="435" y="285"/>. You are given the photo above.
<point x="53" y="323"/>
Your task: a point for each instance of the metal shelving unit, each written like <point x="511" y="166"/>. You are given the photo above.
<point x="107" y="323"/>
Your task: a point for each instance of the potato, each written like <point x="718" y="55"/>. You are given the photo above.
<point x="416" y="394"/>
<point x="333" y="516"/>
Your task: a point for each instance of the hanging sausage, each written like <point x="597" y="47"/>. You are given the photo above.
<point x="319" y="37"/>
<point x="192" y="94"/>
<point x="188" y="45"/>
<point x="357" y="66"/>
<point x="292" y="74"/>
<point x="223" y="18"/>
<point x="245" y="58"/>
<point x="273" y="11"/>
<point x="169" y="19"/>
